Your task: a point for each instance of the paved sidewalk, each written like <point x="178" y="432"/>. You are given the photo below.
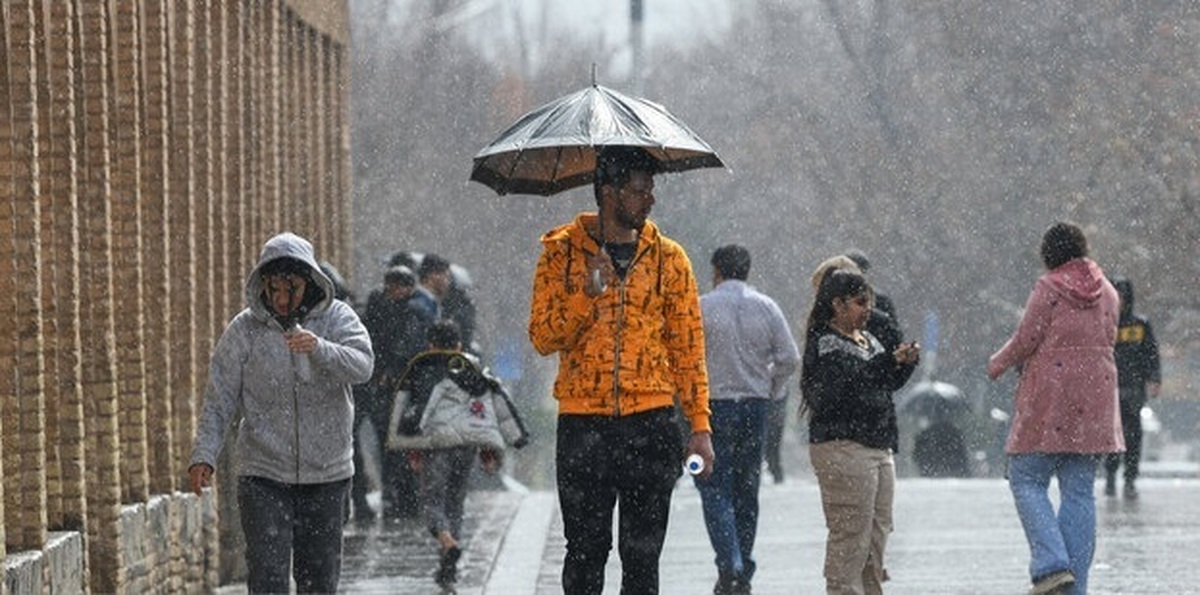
<point x="952" y="537"/>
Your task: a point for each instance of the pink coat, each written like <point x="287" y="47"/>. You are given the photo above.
<point x="1063" y="350"/>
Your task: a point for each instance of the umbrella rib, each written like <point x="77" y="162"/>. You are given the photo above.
<point x="557" y="168"/>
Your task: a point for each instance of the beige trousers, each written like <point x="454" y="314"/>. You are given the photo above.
<point x="857" y="487"/>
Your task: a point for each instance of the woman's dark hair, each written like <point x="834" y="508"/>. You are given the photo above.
<point x="1061" y="243"/>
<point x="837" y="283"/>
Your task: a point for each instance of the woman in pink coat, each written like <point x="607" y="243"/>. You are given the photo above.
<point x="1066" y="411"/>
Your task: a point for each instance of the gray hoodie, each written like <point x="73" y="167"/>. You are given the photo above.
<point x="293" y="426"/>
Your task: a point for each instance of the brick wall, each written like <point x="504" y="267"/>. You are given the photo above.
<point x="147" y="150"/>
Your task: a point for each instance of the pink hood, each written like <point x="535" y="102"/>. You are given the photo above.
<point x="1080" y="281"/>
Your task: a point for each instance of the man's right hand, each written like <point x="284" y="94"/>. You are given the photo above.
<point x="602" y="265"/>
<point x="201" y="476"/>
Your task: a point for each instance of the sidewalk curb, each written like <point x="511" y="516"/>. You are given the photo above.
<point x="519" y="561"/>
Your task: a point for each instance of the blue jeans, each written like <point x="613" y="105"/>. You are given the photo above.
<point x="1065" y="540"/>
<point x="730" y="494"/>
<point x="292" y="527"/>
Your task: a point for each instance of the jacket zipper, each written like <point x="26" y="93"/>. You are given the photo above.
<point x="617" y="345"/>
<point x="295" y="412"/>
<point x="621" y="327"/>
<point x="296" y="424"/>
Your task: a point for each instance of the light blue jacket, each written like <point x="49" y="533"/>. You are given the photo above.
<point x="748" y="346"/>
<point x="293" y="426"/>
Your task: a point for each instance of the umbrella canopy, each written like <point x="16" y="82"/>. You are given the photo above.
<point x="934" y="399"/>
<point x="553" y="148"/>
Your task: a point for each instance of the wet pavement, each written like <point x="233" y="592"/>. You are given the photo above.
<point x="400" y="556"/>
<point x="951" y="537"/>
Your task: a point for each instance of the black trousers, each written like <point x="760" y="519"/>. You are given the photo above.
<point x="776" y="422"/>
<point x="296" y="527"/>
<point x="1131" y="426"/>
<point x="360" y="486"/>
<point x="602" y="462"/>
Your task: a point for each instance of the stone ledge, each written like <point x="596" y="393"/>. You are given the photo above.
<point x="60" y="564"/>
<point x="166" y="542"/>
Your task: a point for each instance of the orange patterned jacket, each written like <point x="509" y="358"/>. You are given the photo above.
<point x="636" y="347"/>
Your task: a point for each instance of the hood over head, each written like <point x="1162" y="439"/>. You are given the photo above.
<point x="1079" y="280"/>
<point x="287" y="245"/>
<point x="1125" y="290"/>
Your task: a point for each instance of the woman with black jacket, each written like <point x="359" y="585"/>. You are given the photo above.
<point x="847" y="381"/>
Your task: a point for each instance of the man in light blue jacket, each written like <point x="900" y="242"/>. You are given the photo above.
<point x="281" y="375"/>
<point x="750" y="354"/>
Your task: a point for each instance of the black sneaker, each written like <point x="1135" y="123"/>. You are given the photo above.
<point x="1110" y="486"/>
<point x="1130" y="491"/>
<point x="447" y="573"/>
<point x="731" y="587"/>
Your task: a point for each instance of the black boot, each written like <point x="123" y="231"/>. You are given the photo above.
<point x="447" y="573"/>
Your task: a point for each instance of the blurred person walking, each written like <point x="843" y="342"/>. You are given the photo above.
<point x="280" y="374"/>
<point x="435" y="280"/>
<point x="397" y="327"/>
<point x="777" y="413"/>
<point x="1066" y="414"/>
<point x="883" y="302"/>
<point x="617" y="301"/>
<point x="341" y="289"/>
<point x="456" y="303"/>
<point x="750" y="354"/>
<point x="847" y="381"/>
<point x="449" y="412"/>
<point x="1139" y="375"/>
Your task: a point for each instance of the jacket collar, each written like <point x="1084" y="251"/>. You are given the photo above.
<point x="576" y="232"/>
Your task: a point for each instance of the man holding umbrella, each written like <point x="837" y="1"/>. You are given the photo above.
<point x="617" y="301"/>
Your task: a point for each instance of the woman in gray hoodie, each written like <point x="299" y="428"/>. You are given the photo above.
<point x="280" y="375"/>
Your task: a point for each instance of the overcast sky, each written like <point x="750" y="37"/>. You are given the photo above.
<point x="606" y="23"/>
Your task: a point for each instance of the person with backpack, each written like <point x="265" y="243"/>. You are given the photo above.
<point x="448" y="412"/>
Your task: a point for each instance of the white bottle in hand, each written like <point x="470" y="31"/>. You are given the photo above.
<point x="300" y="360"/>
